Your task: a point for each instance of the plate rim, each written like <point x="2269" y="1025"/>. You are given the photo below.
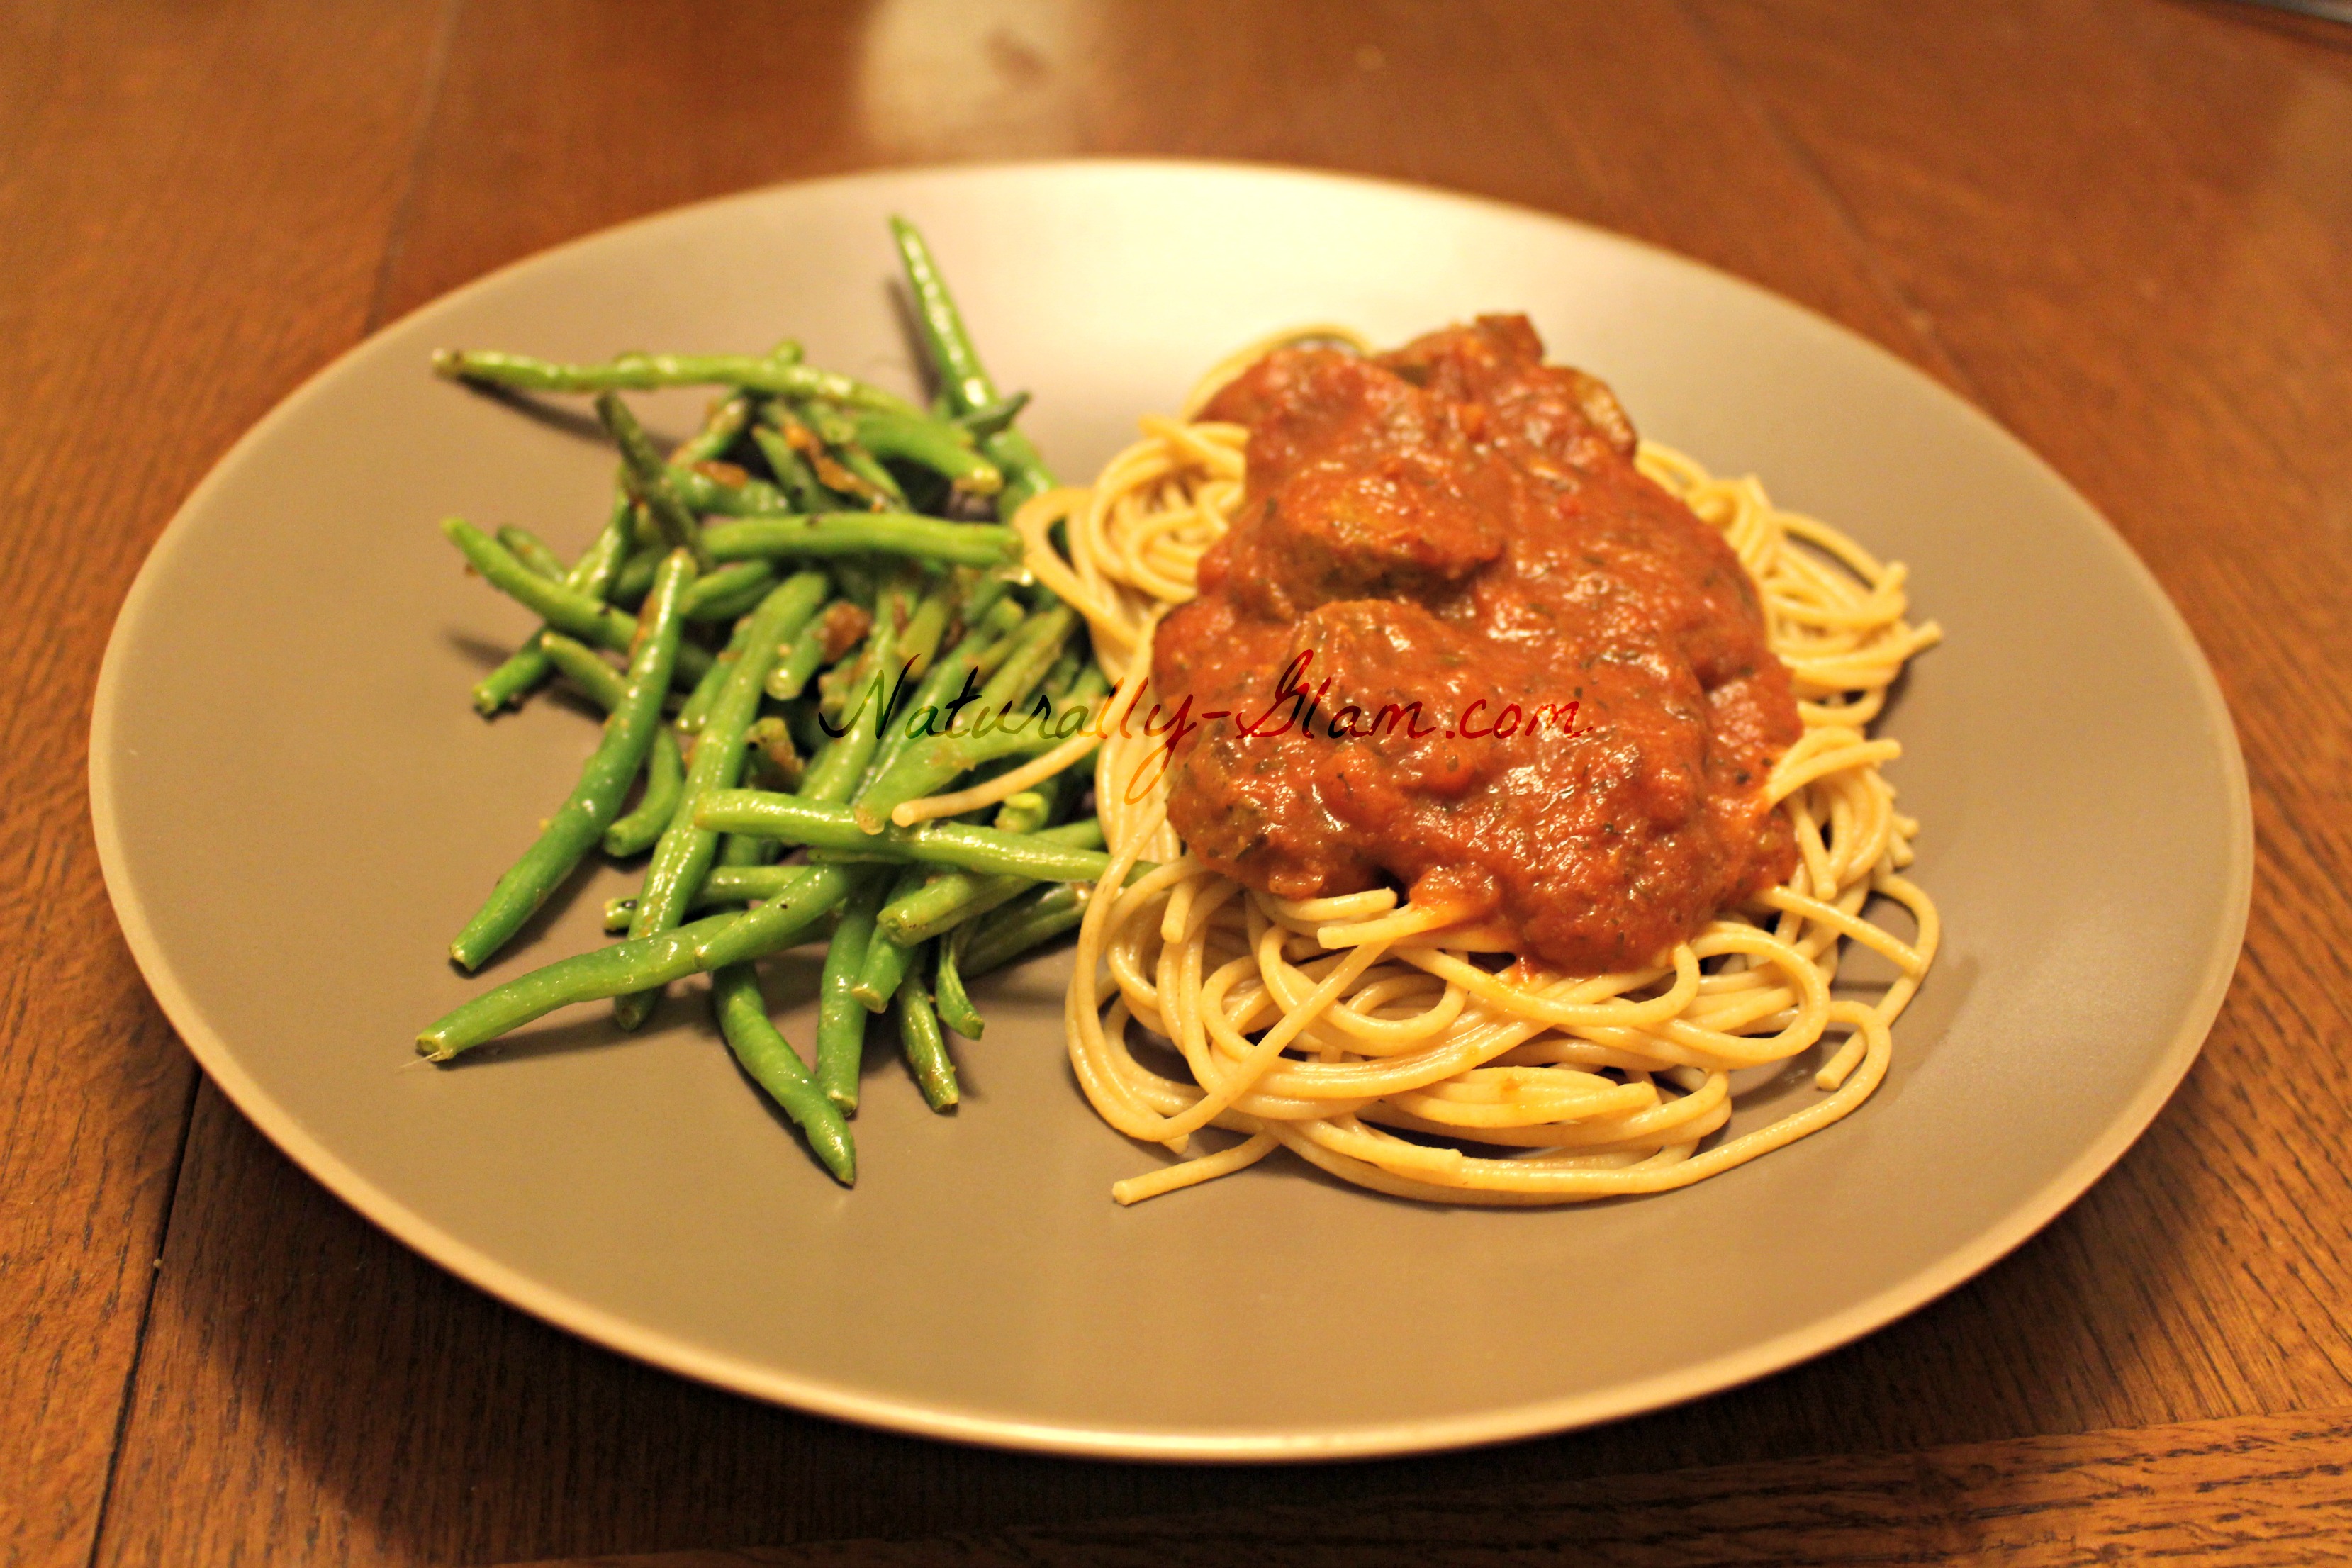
<point x="1362" y="1440"/>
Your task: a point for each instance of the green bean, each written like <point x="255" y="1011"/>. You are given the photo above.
<point x="591" y="575"/>
<point x="721" y="424"/>
<point x="772" y="754"/>
<point x="926" y="1052"/>
<point x="953" y="898"/>
<point x="775" y="1066"/>
<point x="1033" y="808"/>
<point x="793" y="475"/>
<point x="664" y="780"/>
<point x="791" y="424"/>
<point x="804" y="657"/>
<point x="725" y="886"/>
<point x="585" y="669"/>
<point x="685" y="850"/>
<point x="703" y="491"/>
<point x="834" y="776"/>
<point x="738" y="853"/>
<point x="839" y="433"/>
<point x="840" y="1017"/>
<point x="628" y="966"/>
<point x="644" y="373"/>
<point x="962" y="379"/>
<point x="1025" y="923"/>
<point x="985" y="740"/>
<point x="783" y="920"/>
<point x="531" y="551"/>
<point x="989" y="630"/>
<point x="949" y="900"/>
<point x="860" y="577"/>
<point x="648" y="479"/>
<point x="792" y="535"/>
<point x="560" y="607"/>
<point x="956" y="1010"/>
<point x="795" y="819"/>
<point x="706" y="691"/>
<point x="963" y="382"/>
<point x="582" y="819"/>
<point x="849" y="685"/>
<point x="929" y="764"/>
<point x="636" y="574"/>
<point x="938" y="444"/>
<point x="665" y="771"/>
<point x="982" y="423"/>
<point x="732" y="591"/>
<point x="505" y="685"/>
<point x="886" y="965"/>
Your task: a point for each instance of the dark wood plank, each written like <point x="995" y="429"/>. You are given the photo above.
<point x="2237" y="1490"/>
<point x="171" y="262"/>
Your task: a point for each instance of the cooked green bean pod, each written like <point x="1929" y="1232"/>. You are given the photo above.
<point x="963" y="380"/>
<point x="794" y="478"/>
<point x="795" y="819"/>
<point x="736" y="495"/>
<point x="775" y="1066"/>
<point x="531" y="551"/>
<point x="684" y="852"/>
<point x="990" y="732"/>
<point x="956" y="1010"/>
<point x="886" y="965"/>
<point x="926" y="1052"/>
<point x="876" y="483"/>
<point x="585" y="669"/>
<point x="647" y="476"/>
<point x="644" y="373"/>
<point x="806" y="655"/>
<point x="724" y="421"/>
<point x="697" y="706"/>
<point x="731" y="591"/>
<point x="939" y="444"/>
<point x="834" y="775"/>
<point x="1027" y="922"/>
<point x="591" y="575"/>
<point x="645" y="962"/>
<point x="947" y="901"/>
<point x="840" y="1017"/>
<point x="634" y="832"/>
<point x="560" y="607"/>
<point x="794" y="534"/>
<point x="594" y="801"/>
<point x="982" y="423"/>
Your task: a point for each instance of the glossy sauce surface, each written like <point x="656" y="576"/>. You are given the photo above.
<point x="1454" y="638"/>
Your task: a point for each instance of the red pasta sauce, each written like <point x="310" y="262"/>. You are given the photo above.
<point x="1455" y="640"/>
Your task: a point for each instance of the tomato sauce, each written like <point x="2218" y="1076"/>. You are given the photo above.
<point x="1455" y="640"/>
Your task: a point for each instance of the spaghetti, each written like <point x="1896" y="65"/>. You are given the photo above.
<point x="1387" y="1043"/>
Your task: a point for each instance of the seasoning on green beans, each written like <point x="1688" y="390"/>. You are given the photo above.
<point x="811" y="523"/>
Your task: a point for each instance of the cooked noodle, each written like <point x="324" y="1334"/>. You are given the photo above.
<point x="1367" y="1035"/>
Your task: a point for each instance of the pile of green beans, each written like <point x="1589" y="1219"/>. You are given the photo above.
<point x="797" y="594"/>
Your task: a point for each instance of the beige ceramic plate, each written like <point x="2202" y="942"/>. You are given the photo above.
<point x="296" y="808"/>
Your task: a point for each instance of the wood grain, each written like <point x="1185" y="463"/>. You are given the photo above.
<point x="172" y="263"/>
<point x="2237" y="1490"/>
<point x="2122" y="225"/>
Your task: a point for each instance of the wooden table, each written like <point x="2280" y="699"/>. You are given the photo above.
<point x="2123" y="226"/>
